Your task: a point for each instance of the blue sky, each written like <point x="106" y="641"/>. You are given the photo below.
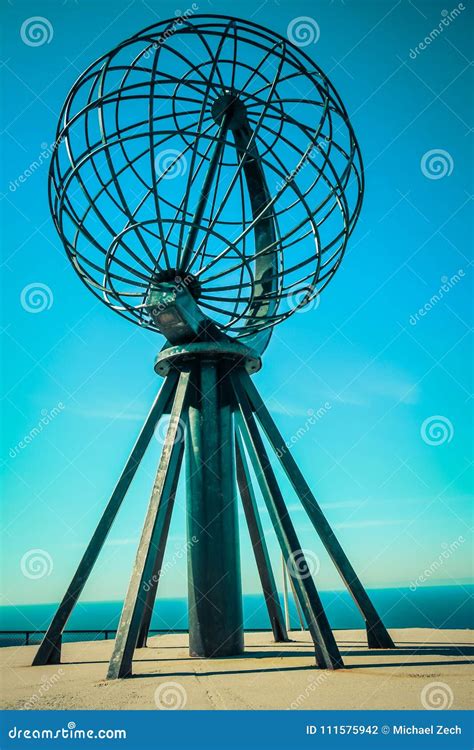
<point x="382" y="370"/>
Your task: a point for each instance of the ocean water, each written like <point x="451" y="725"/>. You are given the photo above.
<point x="434" y="607"/>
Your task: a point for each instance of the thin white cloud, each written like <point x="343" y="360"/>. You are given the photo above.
<point x="371" y="522"/>
<point x="344" y="504"/>
<point x="287" y="409"/>
<point x="110" y="414"/>
<point x="120" y="542"/>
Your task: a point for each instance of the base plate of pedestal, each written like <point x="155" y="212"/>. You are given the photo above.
<point x="224" y="350"/>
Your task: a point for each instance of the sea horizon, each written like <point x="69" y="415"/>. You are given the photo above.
<point x="400" y="607"/>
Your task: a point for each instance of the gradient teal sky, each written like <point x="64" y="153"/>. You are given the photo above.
<point x="395" y="500"/>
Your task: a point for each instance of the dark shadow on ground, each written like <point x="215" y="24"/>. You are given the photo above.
<point x="420" y="650"/>
<point x="291" y="669"/>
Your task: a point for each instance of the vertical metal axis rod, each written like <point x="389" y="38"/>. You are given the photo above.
<point x="160" y="552"/>
<point x="326" y="650"/>
<point x="260" y="549"/>
<point x="214" y="583"/>
<point x="49" y="651"/>
<point x="377" y="634"/>
<point x="133" y="608"/>
<point x="204" y="194"/>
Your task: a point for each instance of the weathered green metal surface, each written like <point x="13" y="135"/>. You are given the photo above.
<point x="49" y="651"/>
<point x="214" y="583"/>
<point x="225" y="350"/>
<point x="153" y="529"/>
<point x="377" y="634"/>
<point x="175" y="312"/>
<point x="267" y="256"/>
<point x="259" y="546"/>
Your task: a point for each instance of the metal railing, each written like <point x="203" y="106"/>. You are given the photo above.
<point x="34" y="637"/>
<point x="30" y="637"/>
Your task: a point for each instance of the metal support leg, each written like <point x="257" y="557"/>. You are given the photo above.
<point x="160" y="552"/>
<point x="327" y="652"/>
<point x="257" y="538"/>
<point x="297" y="604"/>
<point x="285" y="593"/>
<point x="377" y="634"/>
<point x="133" y="608"/>
<point x="214" y="584"/>
<point x="49" y="651"/>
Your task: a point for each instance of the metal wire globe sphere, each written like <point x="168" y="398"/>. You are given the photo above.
<point x="211" y="150"/>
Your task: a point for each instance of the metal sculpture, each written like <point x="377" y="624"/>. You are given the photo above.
<point x="205" y="182"/>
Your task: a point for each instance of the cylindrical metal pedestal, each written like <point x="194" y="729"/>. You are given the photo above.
<point x="214" y="581"/>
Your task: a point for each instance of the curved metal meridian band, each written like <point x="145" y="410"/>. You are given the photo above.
<point x="254" y="232"/>
<point x="264" y="302"/>
<point x="266" y="270"/>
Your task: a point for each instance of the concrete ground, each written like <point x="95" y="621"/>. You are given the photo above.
<point x="429" y="669"/>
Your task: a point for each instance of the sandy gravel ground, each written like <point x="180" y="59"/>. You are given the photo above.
<point x="429" y="668"/>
